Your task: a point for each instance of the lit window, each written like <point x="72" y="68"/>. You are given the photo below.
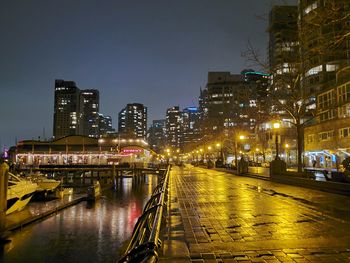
<point x="331" y="67"/>
<point x="344" y="132"/>
<point x="311" y="7"/>
<point x="314" y="70"/>
<point x="326" y="136"/>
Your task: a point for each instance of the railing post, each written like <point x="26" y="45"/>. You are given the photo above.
<point x="4" y="168"/>
<point x="113" y="176"/>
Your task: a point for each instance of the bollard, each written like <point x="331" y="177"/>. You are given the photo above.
<point x="4" y="168"/>
<point x="113" y="177"/>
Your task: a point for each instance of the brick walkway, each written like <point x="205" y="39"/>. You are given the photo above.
<point x="219" y="217"/>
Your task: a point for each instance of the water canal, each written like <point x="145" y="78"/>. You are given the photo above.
<point x="85" y="232"/>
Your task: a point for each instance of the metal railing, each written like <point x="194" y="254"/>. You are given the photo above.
<point x="145" y="240"/>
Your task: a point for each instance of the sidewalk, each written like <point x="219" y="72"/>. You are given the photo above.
<point x="218" y="218"/>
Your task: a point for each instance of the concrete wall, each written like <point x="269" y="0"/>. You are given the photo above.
<point x="262" y="171"/>
<point x="331" y="187"/>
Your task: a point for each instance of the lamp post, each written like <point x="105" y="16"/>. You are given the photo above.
<point x="168" y="153"/>
<point x="100" y="142"/>
<point x="276" y="127"/>
<point x="256" y="155"/>
<point x="240" y="137"/>
<point x="287" y="153"/>
<point x="209" y="152"/>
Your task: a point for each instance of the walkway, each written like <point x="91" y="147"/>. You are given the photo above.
<point x="220" y="217"/>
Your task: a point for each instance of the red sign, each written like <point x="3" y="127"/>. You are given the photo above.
<point x="131" y="150"/>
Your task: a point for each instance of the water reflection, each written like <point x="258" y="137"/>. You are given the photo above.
<point x="87" y="232"/>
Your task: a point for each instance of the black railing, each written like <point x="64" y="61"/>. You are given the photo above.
<point x="145" y="241"/>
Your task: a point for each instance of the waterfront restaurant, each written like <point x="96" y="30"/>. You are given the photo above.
<point x="80" y="150"/>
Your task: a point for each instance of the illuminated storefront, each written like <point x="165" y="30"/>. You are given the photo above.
<point x="81" y="150"/>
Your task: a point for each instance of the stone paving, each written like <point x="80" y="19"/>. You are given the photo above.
<point x="220" y="217"/>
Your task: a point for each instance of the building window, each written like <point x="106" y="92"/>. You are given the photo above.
<point x="325" y="99"/>
<point x="326" y="136"/>
<point x="311" y="138"/>
<point x="344" y="111"/>
<point x="311" y="7"/>
<point x="344" y="92"/>
<point x="314" y="70"/>
<point x="326" y="115"/>
<point x="330" y="67"/>
<point x="344" y="132"/>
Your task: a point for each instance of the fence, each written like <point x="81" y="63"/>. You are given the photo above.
<point x="145" y="240"/>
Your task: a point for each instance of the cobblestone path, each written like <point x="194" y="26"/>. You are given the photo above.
<point x="219" y="217"/>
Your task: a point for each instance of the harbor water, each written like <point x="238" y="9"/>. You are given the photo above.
<point x="86" y="232"/>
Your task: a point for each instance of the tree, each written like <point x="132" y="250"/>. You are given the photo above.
<point x="304" y="55"/>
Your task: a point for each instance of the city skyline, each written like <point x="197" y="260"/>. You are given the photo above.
<point x="126" y="51"/>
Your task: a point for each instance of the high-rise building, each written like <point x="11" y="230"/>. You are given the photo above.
<point x="324" y="42"/>
<point x="189" y="127"/>
<point x="89" y="115"/>
<point x="173" y="127"/>
<point x="156" y="135"/>
<point x="232" y="101"/>
<point x="284" y="66"/>
<point x="76" y="112"/>
<point x="67" y="109"/>
<point x="283" y="47"/>
<point x="324" y="28"/>
<point x="217" y="101"/>
<point x="132" y="121"/>
<point x="104" y="125"/>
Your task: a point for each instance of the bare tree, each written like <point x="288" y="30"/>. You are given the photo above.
<point x="318" y="37"/>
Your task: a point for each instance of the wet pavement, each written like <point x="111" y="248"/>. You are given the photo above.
<point x="219" y="217"/>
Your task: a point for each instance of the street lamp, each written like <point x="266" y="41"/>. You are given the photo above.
<point x="240" y="137"/>
<point x="276" y="127"/>
<point x="100" y="142"/>
<point x="287" y="152"/>
<point x="256" y="155"/>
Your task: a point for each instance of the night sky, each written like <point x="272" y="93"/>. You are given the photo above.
<point x="153" y="52"/>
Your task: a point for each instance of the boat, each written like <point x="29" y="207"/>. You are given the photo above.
<point x="60" y="193"/>
<point x="19" y="193"/>
<point x="44" y="184"/>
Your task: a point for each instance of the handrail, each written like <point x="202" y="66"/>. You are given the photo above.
<point x="145" y="241"/>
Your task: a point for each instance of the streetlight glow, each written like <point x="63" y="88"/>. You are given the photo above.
<point x="276" y="125"/>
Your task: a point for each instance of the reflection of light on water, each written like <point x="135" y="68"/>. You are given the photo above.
<point x="150" y="185"/>
<point x="91" y="233"/>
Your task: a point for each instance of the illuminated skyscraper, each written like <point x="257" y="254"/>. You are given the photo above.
<point x="67" y="109"/>
<point x="89" y="114"/>
<point x="132" y="121"/>
<point x="156" y="135"/>
<point x="76" y="112"/>
<point x="190" y="126"/>
<point x="173" y="127"/>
